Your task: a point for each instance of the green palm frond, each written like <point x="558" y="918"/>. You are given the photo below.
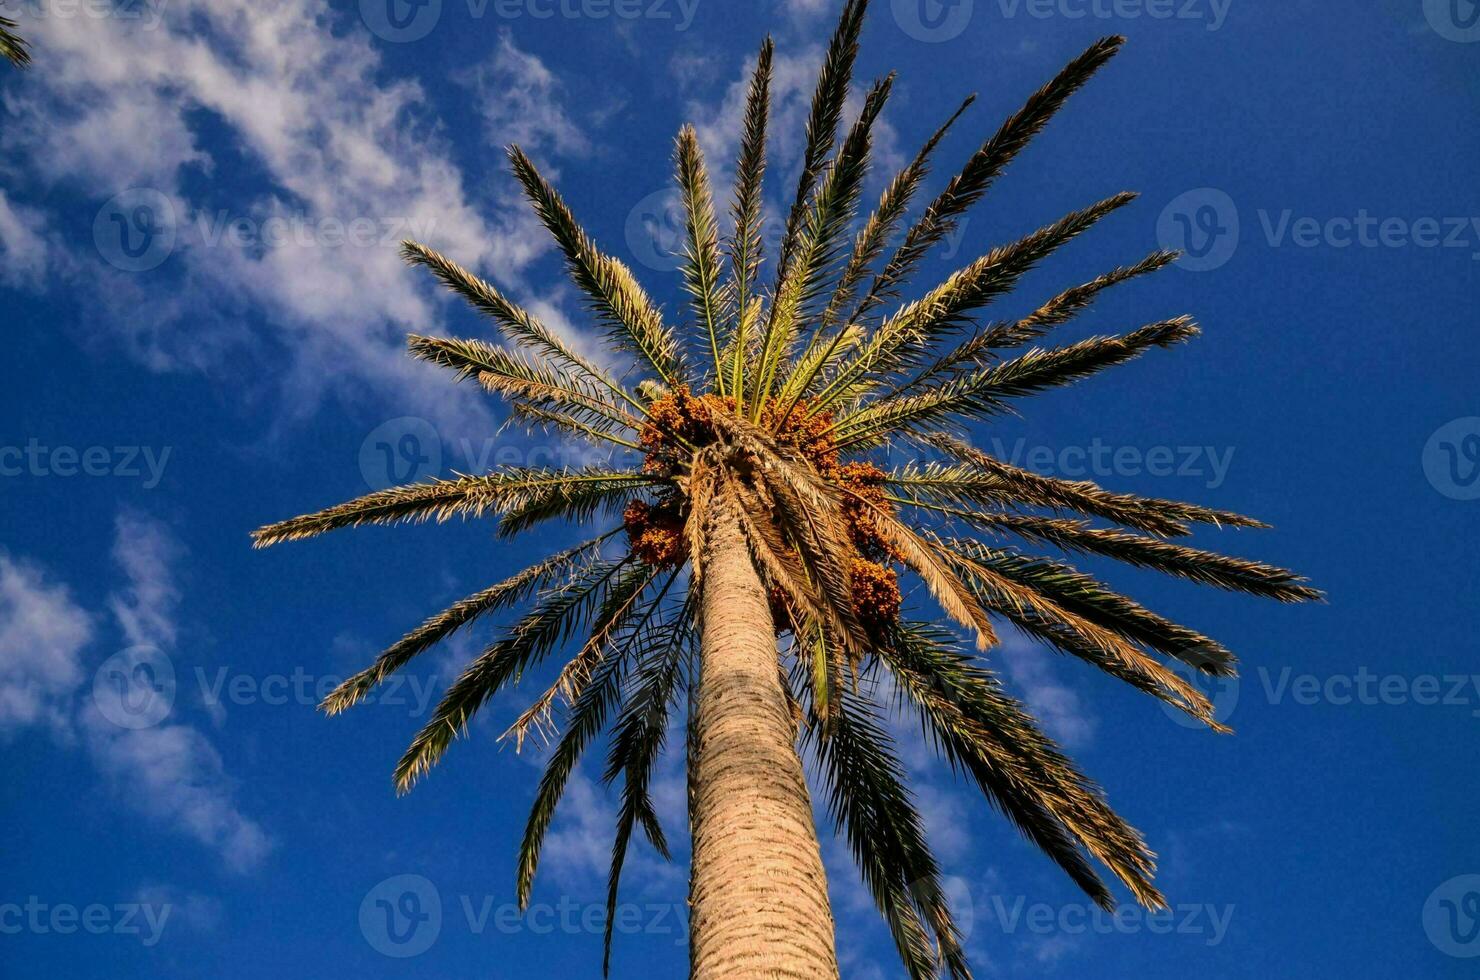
<point x="621" y="625"/>
<point x="991" y="737"/>
<point x="986" y="393"/>
<point x="509" y="490"/>
<point x="822" y="122"/>
<point x="617" y="300"/>
<point x="701" y="267"/>
<point x="745" y="246"/>
<point x="637" y="741"/>
<point x="12" y="47"/>
<point x="867" y="248"/>
<point x="979" y="471"/>
<point x="463" y="613"/>
<point x="988" y="162"/>
<point x="871" y="806"/>
<point x="515" y="377"/>
<point x="553" y="620"/>
<point x="574" y="495"/>
<point x="773" y="439"/>
<point x="817" y="244"/>
<point x="1205" y="567"/>
<point x="904" y="337"/>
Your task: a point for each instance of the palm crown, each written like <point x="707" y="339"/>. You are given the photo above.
<point x="769" y="411"/>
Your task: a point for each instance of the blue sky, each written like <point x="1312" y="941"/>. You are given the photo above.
<point x="205" y="312"/>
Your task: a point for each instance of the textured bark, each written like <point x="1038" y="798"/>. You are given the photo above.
<point x="758" y="893"/>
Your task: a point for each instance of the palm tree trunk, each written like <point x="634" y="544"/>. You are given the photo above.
<point x="758" y="904"/>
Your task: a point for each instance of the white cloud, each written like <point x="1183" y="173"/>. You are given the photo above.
<point x="23" y="247"/>
<point x="42" y="633"/>
<point x="174" y="775"/>
<point x="196" y="912"/>
<point x="171" y="772"/>
<point x="146" y="607"/>
<point x="308" y="109"/>
<point x="1060" y="709"/>
<point x="521" y="101"/>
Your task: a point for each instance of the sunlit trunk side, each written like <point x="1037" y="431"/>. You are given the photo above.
<point x="758" y="893"/>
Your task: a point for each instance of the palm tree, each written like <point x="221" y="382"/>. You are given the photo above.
<point x="12" y="48"/>
<point x="755" y="573"/>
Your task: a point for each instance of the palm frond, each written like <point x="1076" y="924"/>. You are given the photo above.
<point x="556" y="616"/>
<point x="986" y="393"/>
<point x="746" y="249"/>
<point x="439" y="500"/>
<point x="1084" y="596"/>
<point x="514" y="377"/>
<point x="988" y="162"/>
<point x="822" y="122"/>
<point x="1205" y="567"/>
<point x="990" y="736"/>
<point x="872" y="239"/>
<point x="867" y="248"/>
<point x="1039" y="615"/>
<point x="587" y="717"/>
<point x="637" y="741"/>
<point x="632" y="322"/>
<point x="871" y="806"/>
<point x="517" y="325"/>
<point x="976" y="351"/>
<point x="12" y="47"/>
<point x="620" y="607"/>
<point x="701" y="266"/>
<point x="902" y="339"/>
<point x="982" y="478"/>
<point x="817" y="244"/>
<point x="463" y="613"/>
<point x="573" y="495"/>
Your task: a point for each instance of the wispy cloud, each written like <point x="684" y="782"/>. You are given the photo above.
<point x="169" y="772"/>
<point x="522" y="101"/>
<point x="42" y="634"/>
<point x="326" y="140"/>
<point x="1060" y="708"/>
